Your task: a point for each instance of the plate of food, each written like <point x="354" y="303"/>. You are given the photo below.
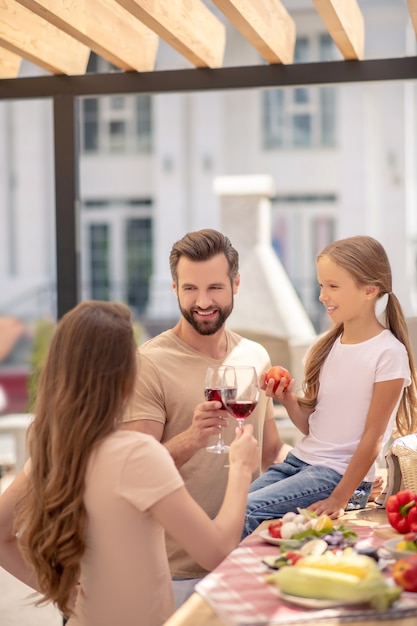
<point x="313" y="603"/>
<point x="278" y="541"/>
<point x="399" y="547"/>
<point x="295" y="529"/>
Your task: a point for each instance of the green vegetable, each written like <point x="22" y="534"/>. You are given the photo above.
<point x="323" y="584"/>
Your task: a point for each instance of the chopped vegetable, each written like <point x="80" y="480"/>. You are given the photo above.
<point x="274" y="529"/>
<point x="409" y="543"/>
<point x="402" y="511"/>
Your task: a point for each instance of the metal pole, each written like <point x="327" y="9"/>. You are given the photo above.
<point x="66" y="202"/>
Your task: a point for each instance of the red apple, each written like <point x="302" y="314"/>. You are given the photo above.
<point x="404" y="572"/>
<point x="277" y="372"/>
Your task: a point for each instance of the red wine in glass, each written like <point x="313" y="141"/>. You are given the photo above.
<point x="213" y="391"/>
<point x="244" y="380"/>
<point x="241" y="409"/>
<point x="216" y="394"/>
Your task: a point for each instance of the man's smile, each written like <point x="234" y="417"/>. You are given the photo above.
<point x="205" y="314"/>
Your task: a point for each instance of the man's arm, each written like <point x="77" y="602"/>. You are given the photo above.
<point x="149" y="427"/>
<point x="180" y="447"/>
<point x="205" y="423"/>
<point x="147" y="413"/>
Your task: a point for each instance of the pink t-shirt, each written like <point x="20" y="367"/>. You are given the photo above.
<point x="125" y="577"/>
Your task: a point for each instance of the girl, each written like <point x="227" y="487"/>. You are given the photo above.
<point x="359" y="377"/>
<point x="84" y="522"/>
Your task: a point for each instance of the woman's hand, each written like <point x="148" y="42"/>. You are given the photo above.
<point x="244" y="450"/>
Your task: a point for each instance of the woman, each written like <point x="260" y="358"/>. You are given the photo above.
<point x="84" y="522"/>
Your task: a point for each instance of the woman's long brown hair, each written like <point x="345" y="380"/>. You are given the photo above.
<point x="366" y="261"/>
<point x="87" y="379"/>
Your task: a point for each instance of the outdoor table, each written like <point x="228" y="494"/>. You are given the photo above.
<point x="370" y="523"/>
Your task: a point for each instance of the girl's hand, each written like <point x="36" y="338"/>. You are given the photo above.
<point x="279" y="395"/>
<point x="330" y="506"/>
<point x="244" y="450"/>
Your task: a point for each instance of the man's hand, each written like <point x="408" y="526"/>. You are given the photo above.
<point x="207" y="419"/>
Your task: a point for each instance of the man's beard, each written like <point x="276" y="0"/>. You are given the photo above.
<point x="208" y="327"/>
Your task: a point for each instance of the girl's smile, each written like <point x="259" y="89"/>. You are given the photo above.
<point x="340" y="294"/>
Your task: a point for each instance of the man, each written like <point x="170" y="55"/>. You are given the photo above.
<point x="169" y="400"/>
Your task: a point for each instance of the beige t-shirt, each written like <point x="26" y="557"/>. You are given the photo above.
<point x="125" y="577"/>
<point x="170" y="385"/>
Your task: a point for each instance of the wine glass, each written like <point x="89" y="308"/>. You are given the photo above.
<point x="244" y="380"/>
<point x="213" y="391"/>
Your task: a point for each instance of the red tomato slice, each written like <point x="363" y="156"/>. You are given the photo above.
<point x="274" y="529"/>
<point x="293" y="557"/>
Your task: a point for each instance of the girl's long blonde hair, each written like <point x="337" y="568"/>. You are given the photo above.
<point x="367" y="262"/>
<point x="87" y="379"/>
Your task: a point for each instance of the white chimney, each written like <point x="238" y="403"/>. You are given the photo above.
<point x="267" y="307"/>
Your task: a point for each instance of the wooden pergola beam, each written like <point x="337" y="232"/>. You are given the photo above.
<point x="189" y="27"/>
<point x="9" y="64"/>
<point x="27" y="35"/>
<point x="105" y="27"/>
<point x="412" y="9"/>
<point x="266" y="24"/>
<point x="345" y="23"/>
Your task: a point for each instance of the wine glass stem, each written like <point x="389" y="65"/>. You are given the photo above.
<point x="240" y="422"/>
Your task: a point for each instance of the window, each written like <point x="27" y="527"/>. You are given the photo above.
<point x="301" y="227"/>
<point x="117" y="239"/>
<point x="302" y="117"/>
<point x="99" y="261"/>
<point x="138" y="237"/>
<point x="115" y="124"/>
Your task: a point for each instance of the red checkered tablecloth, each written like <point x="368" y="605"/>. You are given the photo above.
<point x="236" y="590"/>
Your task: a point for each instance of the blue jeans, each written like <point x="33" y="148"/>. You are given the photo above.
<point x="294" y="484"/>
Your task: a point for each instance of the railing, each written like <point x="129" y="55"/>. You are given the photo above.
<point x="15" y="425"/>
<point x="37" y="302"/>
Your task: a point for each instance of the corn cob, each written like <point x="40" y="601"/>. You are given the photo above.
<point x="309" y="582"/>
<point x="356" y="564"/>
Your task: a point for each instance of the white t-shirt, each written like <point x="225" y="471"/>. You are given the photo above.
<point x="125" y="577"/>
<point x="347" y="380"/>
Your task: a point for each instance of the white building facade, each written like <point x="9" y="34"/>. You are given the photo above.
<point x="343" y="160"/>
